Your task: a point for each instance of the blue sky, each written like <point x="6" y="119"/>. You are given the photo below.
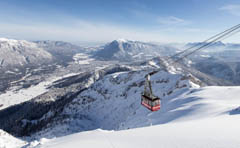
<point x="105" y="20"/>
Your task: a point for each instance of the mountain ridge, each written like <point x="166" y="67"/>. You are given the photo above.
<point x="128" y="50"/>
<point x="21" y="53"/>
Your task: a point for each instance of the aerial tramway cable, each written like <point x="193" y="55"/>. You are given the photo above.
<point x="209" y="39"/>
<point x="152" y="102"/>
<point x="208" y="44"/>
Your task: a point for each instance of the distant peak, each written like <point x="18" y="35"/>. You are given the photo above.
<point x="14" y="42"/>
<point x="121" y="40"/>
<point x="11" y="40"/>
<point x="5" y="39"/>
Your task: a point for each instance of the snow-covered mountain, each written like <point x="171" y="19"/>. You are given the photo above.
<point x="217" y="44"/>
<point x="112" y="103"/>
<point x="127" y="50"/>
<point x="21" y="53"/>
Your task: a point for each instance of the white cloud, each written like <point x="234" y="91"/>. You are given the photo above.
<point x="92" y="32"/>
<point x="172" y="20"/>
<point x="167" y="20"/>
<point x="232" y="9"/>
<point x="79" y="31"/>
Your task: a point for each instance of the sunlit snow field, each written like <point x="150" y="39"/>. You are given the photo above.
<point x="217" y="126"/>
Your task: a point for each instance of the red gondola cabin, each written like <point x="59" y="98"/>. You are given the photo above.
<point x="152" y="104"/>
<point x="148" y="100"/>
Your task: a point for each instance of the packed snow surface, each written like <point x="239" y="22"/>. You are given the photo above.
<point x="192" y="134"/>
<point x="208" y="118"/>
<point x="8" y="141"/>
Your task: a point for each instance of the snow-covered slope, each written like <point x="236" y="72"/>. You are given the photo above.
<point x="8" y="141"/>
<point x="117" y="98"/>
<point x="114" y="102"/>
<point x="127" y="50"/>
<point x="209" y="118"/>
<point x="21" y="52"/>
